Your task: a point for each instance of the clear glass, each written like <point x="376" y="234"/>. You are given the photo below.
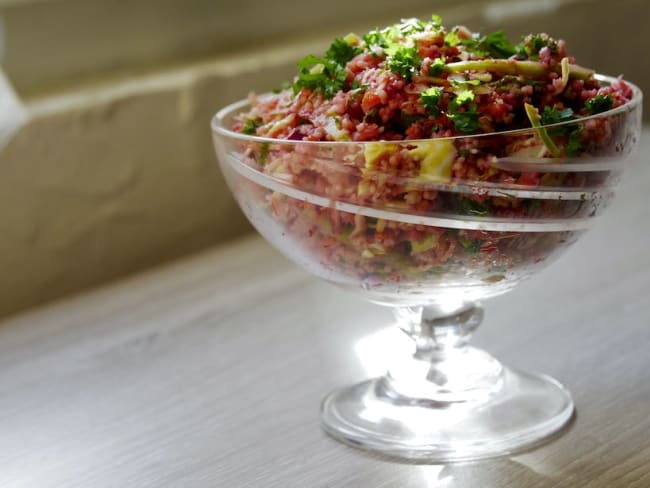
<point x="363" y="216"/>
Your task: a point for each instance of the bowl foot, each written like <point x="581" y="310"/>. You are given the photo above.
<point x="523" y="411"/>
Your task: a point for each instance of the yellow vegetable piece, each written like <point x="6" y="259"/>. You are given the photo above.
<point x="436" y="158"/>
<point x="425" y="244"/>
<point x="374" y="150"/>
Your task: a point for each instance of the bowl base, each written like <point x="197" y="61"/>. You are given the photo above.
<point x="524" y="411"/>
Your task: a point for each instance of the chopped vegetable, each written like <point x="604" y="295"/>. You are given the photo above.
<point x="598" y="104"/>
<point x="430" y="99"/>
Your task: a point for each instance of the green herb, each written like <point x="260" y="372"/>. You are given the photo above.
<point x="598" y="104"/>
<point x="498" y="45"/>
<point x="370" y="115"/>
<point x="406" y="120"/>
<point x="341" y="52"/>
<point x="409" y="26"/>
<point x="452" y="39"/>
<point x="464" y="96"/>
<point x="326" y="75"/>
<point x="466" y="120"/>
<point x="375" y="38"/>
<point x="250" y="126"/>
<point x="403" y="60"/>
<point x="436" y="21"/>
<point x="574" y="144"/>
<point x="472" y="246"/>
<point x="430" y="99"/>
<point x="283" y="86"/>
<point x="437" y="67"/>
<point x="474" y="45"/>
<point x="551" y="115"/>
<point x="455" y="82"/>
<point x="533" y="44"/>
<point x="264" y="153"/>
<point x="468" y="206"/>
<point x="320" y="75"/>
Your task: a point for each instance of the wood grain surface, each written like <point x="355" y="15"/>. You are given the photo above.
<point x="209" y="372"/>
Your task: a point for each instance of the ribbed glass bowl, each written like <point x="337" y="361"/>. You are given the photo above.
<point x="387" y="220"/>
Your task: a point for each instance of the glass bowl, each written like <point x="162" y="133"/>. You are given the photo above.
<point x="388" y="221"/>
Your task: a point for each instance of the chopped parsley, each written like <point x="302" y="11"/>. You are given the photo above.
<point x="326" y="75"/>
<point x="250" y="126"/>
<point x="341" y="52"/>
<point x="283" y="86"/>
<point x="452" y="39"/>
<point x="430" y="99"/>
<point x="467" y="206"/>
<point x="534" y="43"/>
<point x="320" y="75"/>
<point x="375" y="38"/>
<point x="464" y="96"/>
<point x="466" y="120"/>
<point x="598" y="104"/>
<point x="404" y="61"/>
<point x="574" y="143"/>
<point x="437" y="67"/>
<point x="552" y="115"/>
<point x="498" y="45"/>
<point x="472" y="246"/>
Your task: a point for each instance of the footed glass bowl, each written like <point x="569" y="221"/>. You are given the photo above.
<point x="388" y="221"/>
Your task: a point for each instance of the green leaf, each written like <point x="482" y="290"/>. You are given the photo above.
<point x="533" y="44"/>
<point x="283" y="86"/>
<point x="467" y="206"/>
<point x="464" y="96"/>
<point x="437" y="67"/>
<point x="250" y="126"/>
<point x="498" y="45"/>
<point x="574" y="144"/>
<point x="320" y="75"/>
<point x="465" y="122"/>
<point x="404" y="61"/>
<point x="341" y="52"/>
<point x="375" y="38"/>
<point x="436" y="21"/>
<point x="472" y="246"/>
<point x="598" y="104"/>
<point x="430" y="99"/>
<point x="459" y="83"/>
<point x="452" y="39"/>
<point x="551" y="115"/>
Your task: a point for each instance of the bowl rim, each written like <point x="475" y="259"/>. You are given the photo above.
<point x="218" y="128"/>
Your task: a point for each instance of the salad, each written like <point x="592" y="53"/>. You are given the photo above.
<point x="434" y="121"/>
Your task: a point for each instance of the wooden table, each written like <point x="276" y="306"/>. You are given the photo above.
<point x="209" y="372"/>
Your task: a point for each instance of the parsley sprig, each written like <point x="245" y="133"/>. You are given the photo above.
<point x="465" y="120"/>
<point x="403" y="60"/>
<point x="326" y="75"/>
<point x="430" y="98"/>
<point x="461" y="110"/>
<point x="600" y="103"/>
